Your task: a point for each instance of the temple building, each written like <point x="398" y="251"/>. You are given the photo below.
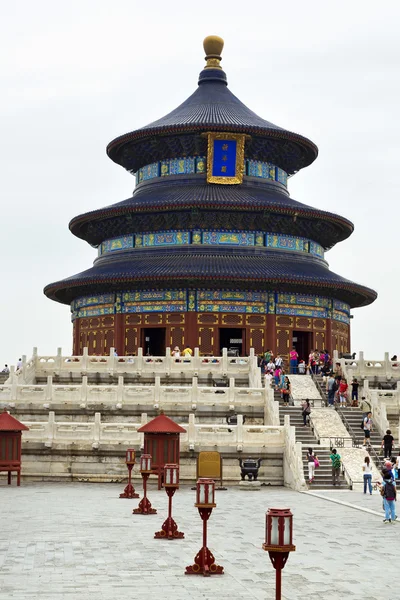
<point x="210" y="251"/>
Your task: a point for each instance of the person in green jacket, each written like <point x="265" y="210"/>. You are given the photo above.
<point x="336" y="464"/>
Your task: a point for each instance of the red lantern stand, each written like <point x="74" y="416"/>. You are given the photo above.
<point x="161" y="440"/>
<point x="204" y="562"/>
<point x="279" y="541"/>
<point x="169" y="529"/>
<point x="10" y="445"/>
<point x="129" y="491"/>
<point x="144" y="507"/>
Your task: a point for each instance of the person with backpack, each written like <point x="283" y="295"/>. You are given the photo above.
<point x="366" y="425"/>
<point x="389" y="494"/>
<point x="367" y="474"/>
<point x="336" y="464"/>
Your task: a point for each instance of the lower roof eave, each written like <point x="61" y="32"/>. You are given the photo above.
<point x="67" y="290"/>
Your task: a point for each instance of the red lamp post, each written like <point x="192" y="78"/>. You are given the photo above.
<point x="204" y="562"/>
<point x="279" y="541"/>
<point x="144" y="507"/>
<point x="129" y="491"/>
<point x="169" y="529"/>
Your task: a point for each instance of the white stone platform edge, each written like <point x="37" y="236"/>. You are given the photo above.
<point x="250" y="485"/>
<point x="367" y="510"/>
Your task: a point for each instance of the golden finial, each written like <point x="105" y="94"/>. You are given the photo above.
<point x="213" y="46"/>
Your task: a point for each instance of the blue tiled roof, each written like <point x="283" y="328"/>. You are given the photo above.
<point x="212" y="107"/>
<point x="321" y="226"/>
<point x="258" y="268"/>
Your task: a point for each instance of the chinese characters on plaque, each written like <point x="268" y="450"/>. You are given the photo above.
<point x="225" y="162"/>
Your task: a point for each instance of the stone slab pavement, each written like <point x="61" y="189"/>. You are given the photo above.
<point x="67" y="541"/>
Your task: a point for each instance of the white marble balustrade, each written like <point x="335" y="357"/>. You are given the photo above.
<point x="165" y="366"/>
<point x="237" y="438"/>
<point x="121" y="396"/>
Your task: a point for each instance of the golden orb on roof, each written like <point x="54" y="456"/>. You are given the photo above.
<point x="213" y="46"/>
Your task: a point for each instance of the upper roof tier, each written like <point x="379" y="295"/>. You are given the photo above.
<point x="212" y="107"/>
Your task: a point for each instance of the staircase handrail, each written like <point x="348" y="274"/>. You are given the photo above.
<point x="319" y="388"/>
<point x="346" y="423"/>
<point x="347" y="476"/>
<point x="339" y="441"/>
<point x="373" y="453"/>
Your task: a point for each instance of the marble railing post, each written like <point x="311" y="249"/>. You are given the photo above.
<point x="231" y="393"/>
<point x="239" y="433"/>
<point x="85" y="359"/>
<point x="50" y="430"/>
<point x="224" y="361"/>
<point x="120" y="391"/>
<point x="361" y="364"/>
<point x="143" y="421"/>
<point x="157" y="389"/>
<point x="388" y="366"/>
<point x="196" y="361"/>
<point x="49" y="389"/>
<point x="111" y="359"/>
<point x="84" y="391"/>
<point x="168" y="360"/>
<point x="14" y="384"/>
<point x="192" y="432"/>
<point x="58" y="363"/>
<point x="23" y="368"/>
<point x="35" y="356"/>
<point x="96" y="431"/>
<point x="139" y="361"/>
<point x="194" y="393"/>
<point x="271" y="407"/>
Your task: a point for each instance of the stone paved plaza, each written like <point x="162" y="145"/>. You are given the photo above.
<point x="67" y="541"/>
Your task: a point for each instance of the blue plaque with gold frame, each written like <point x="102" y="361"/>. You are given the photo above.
<point x="225" y="158"/>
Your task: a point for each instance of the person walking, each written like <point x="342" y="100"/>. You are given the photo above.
<point x="343" y="387"/>
<point x="389" y="494"/>
<point x="306" y="406"/>
<point x="294" y="357"/>
<point x="286" y="390"/>
<point x="354" y="392"/>
<point x="336" y="464"/>
<point x="277" y="377"/>
<point x="311" y="458"/>
<point x="367" y="426"/>
<point x="367" y="473"/>
<point x="398" y="466"/>
<point x="331" y="389"/>
<point x="387" y="444"/>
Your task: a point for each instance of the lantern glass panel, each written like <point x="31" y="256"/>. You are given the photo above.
<point x="274" y="531"/>
<point x="286" y="536"/>
<point x="168" y="476"/>
<point x="202" y="493"/>
<point x="174" y="475"/>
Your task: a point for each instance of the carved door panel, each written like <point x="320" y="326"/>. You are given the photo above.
<point x="319" y="340"/>
<point x="206" y="340"/>
<point x="92" y="343"/>
<point x="108" y="340"/>
<point x="257" y="338"/>
<point x="283" y="343"/>
<point x="177" y="337"/>
<point x="131" y="340"/>
<point x="82" y="342"/>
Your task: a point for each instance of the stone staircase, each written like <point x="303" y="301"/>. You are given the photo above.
<point x="305" y="435"/>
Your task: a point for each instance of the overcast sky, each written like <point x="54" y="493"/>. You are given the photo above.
<point x="76" y="74"/>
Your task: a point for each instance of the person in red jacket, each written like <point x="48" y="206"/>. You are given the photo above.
<point x="343" y="387"/>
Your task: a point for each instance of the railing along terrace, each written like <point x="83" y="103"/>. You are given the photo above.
<point x="237" y="438"/>
<point x="361" y="368"/>
<point x="138" y="365"/>
<point x="180" y="398"/>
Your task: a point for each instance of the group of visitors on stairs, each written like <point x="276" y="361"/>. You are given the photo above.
<point x="317" y="362"/>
